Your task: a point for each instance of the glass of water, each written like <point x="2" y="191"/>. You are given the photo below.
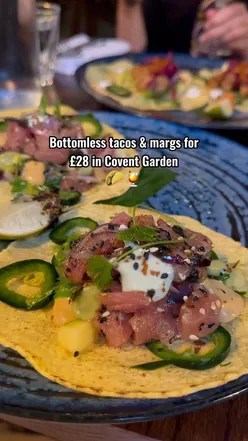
<point x="48" y="26"/>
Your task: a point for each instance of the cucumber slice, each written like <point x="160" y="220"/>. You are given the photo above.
<point x="19" y="220"/>
<point x="69" y="197"/>
<point x="87" y="303"/>
<point x="119" y="91"/>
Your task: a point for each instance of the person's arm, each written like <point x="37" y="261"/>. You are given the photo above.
<point x="130" y="24"/>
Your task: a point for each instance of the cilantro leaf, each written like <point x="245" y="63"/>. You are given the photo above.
<point x="100" y="270"/>
<point x="151" y="180"/>
<point x="138" y="234"/>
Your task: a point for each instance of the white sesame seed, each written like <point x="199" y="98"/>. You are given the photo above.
<point x="213" y="306"/>
<point x="160" y="309"/>
<point x="185" y="298"/>
<point x="202" y="311"/>
<point x="106" y="314"/>
<point x="153" y="249"/>
<point x="210" y="291"/>
<point x="182" y="276"/>
<point x="180" y="238"/>
<point x="187" y="261"/>
<point x="193" y="337"/>
<point x="123" y="227"/>
<point x="193" y="248"/>
<point x="218" y="303"/>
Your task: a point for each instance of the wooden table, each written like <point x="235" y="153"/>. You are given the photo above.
<point x="227" y="421"/>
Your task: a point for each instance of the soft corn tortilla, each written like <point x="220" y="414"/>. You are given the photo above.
<point x="106" y="371"/>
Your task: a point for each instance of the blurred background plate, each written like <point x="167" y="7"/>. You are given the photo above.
<point x="212" y="187"/>
<point x="238" y="121"/>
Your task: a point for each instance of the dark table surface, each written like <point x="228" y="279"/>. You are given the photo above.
<point x="227" y="421"/>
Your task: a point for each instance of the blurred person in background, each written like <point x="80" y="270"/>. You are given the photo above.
<point x="202" y="27"/>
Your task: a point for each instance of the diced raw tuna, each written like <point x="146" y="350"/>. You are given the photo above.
<point x="121" y="219"/>
<point x="16" y="136"/>
<point x="116" y="328"/>
<point x="199" y="315"/>
<point x="125" y="301"/>
<point x="78" y="183"/>
<point x="145" y="220"/>
<point x="158" y="321"/>
<point x="101" y="241"/>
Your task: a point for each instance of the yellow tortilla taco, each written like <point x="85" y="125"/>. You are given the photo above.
<point x="133" y="305"/>
<point x="158" y="84"/>
<point x="35" y="175"/>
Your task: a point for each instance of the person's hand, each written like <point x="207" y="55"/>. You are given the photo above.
<point x="229" y="26"/>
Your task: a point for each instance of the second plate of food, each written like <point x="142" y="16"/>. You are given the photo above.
<point x="191" y="91"/>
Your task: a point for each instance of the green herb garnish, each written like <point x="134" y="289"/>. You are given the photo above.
<point x="223" y="276"/>
<point x="151" y="180"/>
<point x="242" y="293"/>
<point x="20" y="187"/>
<point x="100" y="270"/>
<point x="213" y="255"/>
<point x="138" y="234"/>
<point x="43" y="106"/>
<point x="57" y="110"/>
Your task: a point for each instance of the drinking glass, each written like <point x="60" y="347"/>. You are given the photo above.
<point x="19" y="64"/>
<point x="213" y="49"/>
<point x="48" y="24"/>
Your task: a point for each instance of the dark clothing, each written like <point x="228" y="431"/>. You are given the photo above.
<point x="170" y="23"/>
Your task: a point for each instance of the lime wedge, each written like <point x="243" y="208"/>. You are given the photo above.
<point x="223" y="109"/>
<point x="22" y="219"/>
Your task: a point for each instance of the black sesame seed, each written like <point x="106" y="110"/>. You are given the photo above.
<point x="108" y="290"/>
<point x="68" y="270"/>
<point x="202" y="249"/>
<point x="175" y="316"/>
<point x="178" y="230"/>
<point x="164" y="276"/>
<point x="103" y="309"/>
<point x="195" y="299"/>
<point x="151" y="292"/>
<point x="203" y="291"/>
<point x="135" y="266"/>
<point x="201" y="326"/>
<point x="76" y="354"/>
<point x="93" y="248"/>
<point x="132" y="256"/>
<point x="102" y="333"/>
<point x="101" y="244"/>
<point x="111" y="226"/>
<point x="210" y="325"/>
<point x="103" y="320"/>
<point x="146" y="255"/>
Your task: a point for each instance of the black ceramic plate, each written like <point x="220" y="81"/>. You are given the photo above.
<point x="193" y="119"/>
<point x="212" y="187"/>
